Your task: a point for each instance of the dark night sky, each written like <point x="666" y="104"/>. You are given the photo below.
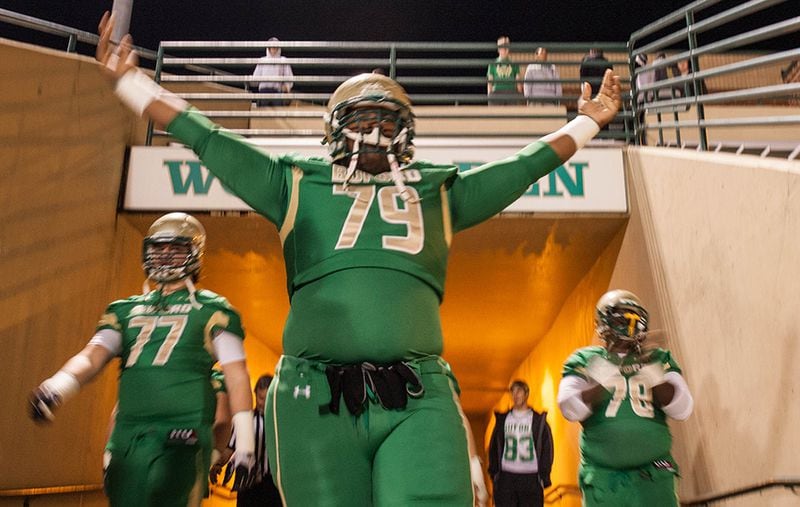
<point x="365" y="20"/>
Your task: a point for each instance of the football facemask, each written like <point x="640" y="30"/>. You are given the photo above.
<point x="376" y="99"/>
<point x="620" y="316"/>
<point x="173" y="248"/>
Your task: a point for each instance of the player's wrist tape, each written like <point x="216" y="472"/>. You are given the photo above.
<point x="62" y="384"/>
<point x="581" y="129"/>
<point x="244" y="431"/>
<point x="137" y="91"/>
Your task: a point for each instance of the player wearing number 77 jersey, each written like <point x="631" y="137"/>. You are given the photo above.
<point x="622" y="395"/>
<point x="365" y="234"/>
<point x="167" y="340"/>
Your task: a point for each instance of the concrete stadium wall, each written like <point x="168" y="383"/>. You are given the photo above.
<point x="713" y="249"/>
<point x="62" y="144"/>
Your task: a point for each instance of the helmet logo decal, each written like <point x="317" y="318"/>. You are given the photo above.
<point x="633" y="320"/>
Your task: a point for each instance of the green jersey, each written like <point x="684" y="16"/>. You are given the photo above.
<point x="167" y="355"/>
<point x="503" y="75"/>
<point x="373" y="264"/>
<point x="626" y="430"/>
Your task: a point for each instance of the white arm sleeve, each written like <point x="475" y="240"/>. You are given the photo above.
<point x="109" y="339"/>
<point x="569" y="398"/>
<point x="228" y="347"/>
<point x="680" y="408"/>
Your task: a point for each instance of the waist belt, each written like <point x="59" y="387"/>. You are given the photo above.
<point x="390" y="385"/>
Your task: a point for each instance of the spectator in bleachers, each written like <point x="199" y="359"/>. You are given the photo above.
<point x="643" y="96"/>
<point x="691" y="88"/>
<point x="503" y="76"/>
<point x="272" y="66"/>
<point x="662" y="74"/>
<point x="542" y="80"/>
<point x="593" y="67"/>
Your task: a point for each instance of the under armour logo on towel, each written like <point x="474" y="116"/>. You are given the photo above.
<point x="185" y="436"/>
<point x="305" y="392"/>
<point x="663" y="464"/>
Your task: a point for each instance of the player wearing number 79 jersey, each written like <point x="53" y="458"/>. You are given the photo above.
<point x="622" y="397"/>
<point x="365" y="235"/>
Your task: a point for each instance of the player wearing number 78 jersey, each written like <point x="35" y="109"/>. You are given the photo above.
<point x="622" y="397"/>
<point x="167" y="340"/>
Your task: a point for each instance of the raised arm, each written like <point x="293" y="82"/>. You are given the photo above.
<point x="257" y="178"/>
<point x="480" y="193"/>
<point x="600" y="110"/>
<point x="122" y="62"/>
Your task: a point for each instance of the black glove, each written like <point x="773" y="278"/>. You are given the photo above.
<point x="242" y="478"/>
<point x="42" y="403"/>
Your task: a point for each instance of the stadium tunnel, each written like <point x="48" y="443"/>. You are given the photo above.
<point x="708" y="240"/>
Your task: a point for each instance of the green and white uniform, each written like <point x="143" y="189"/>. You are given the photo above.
<point x="625" y="443"/>
<point x="161" y="444"/>
<point x="503" y="74"/>
<point x="365" y="273"/>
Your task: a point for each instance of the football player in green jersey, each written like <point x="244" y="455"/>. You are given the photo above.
<point x="167" y="340"/>
<point x="622" y="395"/>
<point x="365" y="235"/>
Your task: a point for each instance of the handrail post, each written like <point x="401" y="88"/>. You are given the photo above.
<point x="694" y="63"/>
<point x="638" y="133"/>
<point x="157" y="78"/>
<point x="72" y="42"/>
<point x="393" y="61"/>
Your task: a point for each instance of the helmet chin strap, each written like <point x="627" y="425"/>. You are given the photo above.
<point x="189" y="286"/>
<point x="192" y="291"/>
<point x="394" y="167"/>
<point x="397" y="177"/>
<point x="351" y="168"/>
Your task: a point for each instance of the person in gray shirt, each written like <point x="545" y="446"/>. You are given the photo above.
<point x="542" y="80"/>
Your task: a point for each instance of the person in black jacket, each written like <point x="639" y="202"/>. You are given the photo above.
<point x="520" y="452"/>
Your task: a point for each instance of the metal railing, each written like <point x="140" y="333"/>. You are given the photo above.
<point x="436" y="73"/>
<point x="29" y="494"/>
<point x="559" y="491"/>
<point x="72" y="36"/>
<point x="657" y="93"/>
<point x="790" y="483"/>
<point x="451" y="74"/>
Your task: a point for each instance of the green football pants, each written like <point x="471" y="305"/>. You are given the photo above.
<point x="414" y="456"/>
<point x="645" y="487"/>
<point x="147" y="469"/>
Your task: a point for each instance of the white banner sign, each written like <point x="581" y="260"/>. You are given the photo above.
<point x="172" y="178"/>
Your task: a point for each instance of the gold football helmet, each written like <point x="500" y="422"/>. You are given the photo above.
<point x="173" y="248"/>
<point x="376" y="99"/>
<point x="620" y="316"/>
